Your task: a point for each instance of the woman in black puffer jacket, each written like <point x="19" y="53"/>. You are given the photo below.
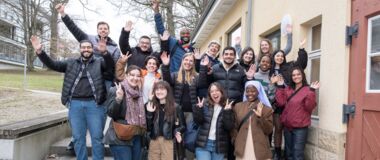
<point x="215" y="119"/>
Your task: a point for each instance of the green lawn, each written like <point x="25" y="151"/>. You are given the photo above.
<point x="36" y="80"/>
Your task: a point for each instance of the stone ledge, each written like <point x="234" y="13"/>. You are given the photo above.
<point x="18" y="129"/>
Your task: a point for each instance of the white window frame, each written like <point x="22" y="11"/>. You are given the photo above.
<point x="369" y="55"/>
<point x="315" y="54"/>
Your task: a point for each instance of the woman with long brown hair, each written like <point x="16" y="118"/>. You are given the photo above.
<point x="215" y="119"/>
<point x="164" y="118"/>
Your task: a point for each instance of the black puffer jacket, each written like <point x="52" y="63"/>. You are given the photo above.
<point x="138" y="56"/>
<point x="97" y="68"/>
<point x="232" y="80"/>
<point x="178" y="87"/>
<point x="169" y="128"/>
<point x="224" y="124"/>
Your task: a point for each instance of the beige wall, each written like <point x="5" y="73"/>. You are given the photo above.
<point x="235" y="15"/>
<point x="334" y="16"/>
<point x="327" y="134"/>
<point x="334" y="56"/>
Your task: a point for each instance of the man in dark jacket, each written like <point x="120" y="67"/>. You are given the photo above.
<point x="229" y="74"/>
<point x="139" y="53"/>
<point x="103" y="32"/>
<point x="83" y="92"/>
<point x="177" y="47"/>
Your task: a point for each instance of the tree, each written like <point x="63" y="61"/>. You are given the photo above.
<point x="54" y="19"/>
<point x="176" y="13"/>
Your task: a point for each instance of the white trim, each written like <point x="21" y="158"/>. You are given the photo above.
<point x="369" y="55"/>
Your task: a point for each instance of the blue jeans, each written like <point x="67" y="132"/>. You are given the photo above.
<point x="125" y="152"/>
<point x="108" y="85"/>
<point x="295" y="141"/>
<point x="85" y="115"/>
<point x="208" y="152"/>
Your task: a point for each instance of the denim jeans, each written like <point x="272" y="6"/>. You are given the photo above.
<point x="85" y="115"/>
<point x="125" y="152"/>
<point x="108" y="85"/>
<point x="295" y="141"/>
<point x="208" y="152"/>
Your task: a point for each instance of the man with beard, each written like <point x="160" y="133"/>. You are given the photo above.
<point x="139" y="53"/>
<point x="177" y="47"/>
<point x="103" y="32"/>
<point x="229" y="74"/>
<point x="83" y="92"/>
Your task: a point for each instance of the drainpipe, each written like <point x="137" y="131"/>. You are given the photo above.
<point x="249" y="24"/>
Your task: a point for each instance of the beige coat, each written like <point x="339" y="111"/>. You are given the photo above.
<point x="260" y="127"/>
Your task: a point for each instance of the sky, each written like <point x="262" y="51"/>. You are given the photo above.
<point x="109" y="14"/>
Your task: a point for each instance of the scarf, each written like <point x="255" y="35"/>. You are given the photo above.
<point x="135" y="113"/>
<point x="261" y="96"/>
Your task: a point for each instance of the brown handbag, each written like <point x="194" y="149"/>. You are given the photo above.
<point x="124" y="132"/>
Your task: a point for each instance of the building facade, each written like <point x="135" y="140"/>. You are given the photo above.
<point x="12" y="41"/>
<point x="323" y="24"/>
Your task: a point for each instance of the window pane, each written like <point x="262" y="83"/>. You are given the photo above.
<point x="315" y="66"/>
<point x="275" y="38"/>
<point x="234" y="39"/>
<point x="375" y="36"/>
<point x="316" y="37"/>
<point x="375" y="73"/>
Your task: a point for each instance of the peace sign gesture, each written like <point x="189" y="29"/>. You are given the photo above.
<point x="124" y="57"/>
<point x="150" y="107"/>
<point x="259" y="110"/>
<point x="119" y="92"/>
<point x="200" y="102"/>
<point x="228" y="105"/>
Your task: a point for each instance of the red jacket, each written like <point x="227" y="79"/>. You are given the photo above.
<point x="297" y="111"/>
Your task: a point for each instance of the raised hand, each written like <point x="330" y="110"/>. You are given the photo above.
<point x="274" y="79"/>
<point x="289" y="28"/>
<point x="36" y="44"/>
<point x="165" y="58"/>
<point x="156" y="6"/>
<point x="205" y="61"/>
<point x="197" y="53"/>
<point x="150" y="107"/>
<point x="259" y="110"/>
<point x="128" y="26"/>
<point x="228" y="105"/>
<point x="280" y="81"/>
<point x="302" y="43"/>
<point x="102" y="46"/>
<point x="251" y="71"/>
<point x="200" y="102"/>
<point x="315" y="85"/>
<point x="124" y="57"/>
<point x="119" y="92"/>
<point x="165" y="36"/>
<point x="60" y="9"/>
<point x="178" y="137"/>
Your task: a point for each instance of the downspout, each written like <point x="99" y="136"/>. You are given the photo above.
<point x="249" y="24"/>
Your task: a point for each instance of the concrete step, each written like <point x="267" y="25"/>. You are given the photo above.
<point x="59" y="148"/>
<point x="67" y="157"/>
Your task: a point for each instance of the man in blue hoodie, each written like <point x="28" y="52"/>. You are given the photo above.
<point x="177" y="47"/>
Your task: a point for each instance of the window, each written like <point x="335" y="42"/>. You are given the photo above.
<point x="315" y="58"/>
<point x="234" y="38"/>
<point x="275" y="38"/>
<point x="7" y="30"/>
<point x="373" y="55"/>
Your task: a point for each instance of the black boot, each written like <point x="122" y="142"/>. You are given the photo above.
<point x="277" y="153"/>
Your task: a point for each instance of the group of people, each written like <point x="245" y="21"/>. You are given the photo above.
<point x="179" y="103"/>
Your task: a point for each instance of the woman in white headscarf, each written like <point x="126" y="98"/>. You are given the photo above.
<point x="253" y="124"/>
